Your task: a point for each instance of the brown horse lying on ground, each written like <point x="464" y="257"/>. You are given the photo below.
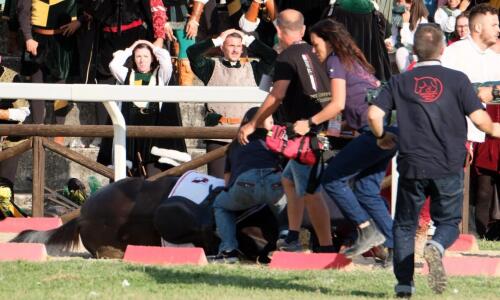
<point x="134" y="211"/>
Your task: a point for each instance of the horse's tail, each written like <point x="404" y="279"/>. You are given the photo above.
<point x="58" y="241"/>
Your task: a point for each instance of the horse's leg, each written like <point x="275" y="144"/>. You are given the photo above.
<point x="101" y="239"/>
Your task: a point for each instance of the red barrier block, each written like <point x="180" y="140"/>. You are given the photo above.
<point x="17" y="225"/>
<point x="469" y="266"/>
<point x="22" y="251"/>
<point x="465" y="242"/>
<point x="308" y="261"/>
<point x="165" y="255"/>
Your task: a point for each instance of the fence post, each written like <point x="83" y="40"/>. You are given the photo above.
<point x="38" y="177"/>
<point x="464" y="227"/>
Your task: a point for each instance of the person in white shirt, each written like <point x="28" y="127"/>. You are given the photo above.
<point x="414" y="15"/>
<point x="446" y="16"/>
<point x="475" y="56"/>
<point x="151" y="66"/>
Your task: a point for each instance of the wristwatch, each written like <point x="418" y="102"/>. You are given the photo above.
<point x="495" y="92"/>
<point x="310" y="122"/>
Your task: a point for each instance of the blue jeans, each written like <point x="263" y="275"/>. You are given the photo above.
<point x="446" y="212"/>
<point x="251" y="188"/>
<point x="364" y="163"/>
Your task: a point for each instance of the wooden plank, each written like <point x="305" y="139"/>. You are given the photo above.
<point x="107" y="131"/>
<point x="52" y="198"/>
<point x="16" y="150"/>
<point x="216" y="132"/>
<point x="193" y="164"/>
<point x="79" y="158"/>
<point x="464" y="227"/>
<point x="38" y="177"/>
<point x="67" y="202"/>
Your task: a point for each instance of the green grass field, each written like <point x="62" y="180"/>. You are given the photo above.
<point x="106" y="279"/>
<point x="488" y="245"/>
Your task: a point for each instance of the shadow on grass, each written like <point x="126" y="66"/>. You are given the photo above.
<point x="176" y="276"/>
<point x="367" y="294"/>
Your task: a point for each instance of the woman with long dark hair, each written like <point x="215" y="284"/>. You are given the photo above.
<point x="367" y="26"/>
<point x="361" y="162"/>
<point x="415" y="13"/>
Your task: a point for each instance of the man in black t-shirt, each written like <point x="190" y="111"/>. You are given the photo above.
<point x="301" y="87"/>
<point x="431" y="103"/>
<point x="308" y="90"/>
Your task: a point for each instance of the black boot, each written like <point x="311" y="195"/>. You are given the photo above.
<point x="368" y="237"/>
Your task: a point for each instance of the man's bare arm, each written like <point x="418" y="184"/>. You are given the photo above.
<point x="268" y="107"/>
<point x="482" y="120"/>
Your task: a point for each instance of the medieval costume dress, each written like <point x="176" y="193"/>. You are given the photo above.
<point x="41" y="20"/>
<point x="119" y="23"/>
<point x="144" y="114"/>
<point x="367" y="26"/>
<point x="108" y="26"/>
<point x="487" y="167"/>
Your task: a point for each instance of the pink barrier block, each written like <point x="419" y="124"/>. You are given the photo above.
<point x="469" y="266"/>
<point x="465" y="242"/>
<point x="22" y="251"/>
<point x="165" y="255"/>
<point x="308" y="261"/>
<point x="17" y="225"/>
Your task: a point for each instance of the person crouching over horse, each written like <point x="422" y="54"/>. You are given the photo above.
<point x="151" y="66"/>
<point x="253" y="176"/>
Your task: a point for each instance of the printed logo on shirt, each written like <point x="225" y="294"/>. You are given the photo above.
<point x="428" y="88"/>
<point x="310" y="71"/>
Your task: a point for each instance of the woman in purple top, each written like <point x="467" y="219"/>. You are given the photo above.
<point x="353" y="177"/>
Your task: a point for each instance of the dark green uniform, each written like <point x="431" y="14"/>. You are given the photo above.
<point x="55" y="52"/>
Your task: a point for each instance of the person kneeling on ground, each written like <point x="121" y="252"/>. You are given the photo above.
<point x="253" y="177"/>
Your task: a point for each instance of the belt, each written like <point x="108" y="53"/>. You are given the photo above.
<point x="224" y="120"/>
<point x="44" y="31"/>
<point x="125" y="27"/>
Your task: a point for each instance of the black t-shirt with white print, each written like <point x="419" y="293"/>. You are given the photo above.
<point x="309" y="88"/>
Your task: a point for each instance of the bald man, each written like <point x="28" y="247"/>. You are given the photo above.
<point x="302" y="87"/>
